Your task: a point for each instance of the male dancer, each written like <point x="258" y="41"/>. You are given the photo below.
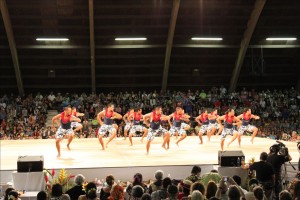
<point x="107" y="125"/>
<point x="213" y="125"/>
<point x="229" y="120"/>
<point x="203" y="121"/>
<point x="178" y="126"/>
<point x="153" y="120"/>
<point x="76" y="125"/>
<point x="127" y="121"/>
<point x="246" y="126"/>
<point x="65" y="127"/>
<point x="137" y="117"/>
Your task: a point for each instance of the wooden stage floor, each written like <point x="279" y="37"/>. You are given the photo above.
<point x="87" y="153"/>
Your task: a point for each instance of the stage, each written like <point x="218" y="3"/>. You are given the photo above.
<point x="86" y="154"/>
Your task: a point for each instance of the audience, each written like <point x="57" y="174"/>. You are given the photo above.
<point x="77" y="190"/>
<point x="157" y="184"/>
<point x="24" y="117"/>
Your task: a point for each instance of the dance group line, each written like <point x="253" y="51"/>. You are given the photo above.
<point x="228" y="124"/>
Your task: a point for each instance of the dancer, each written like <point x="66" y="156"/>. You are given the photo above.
<point x="246" y="126"/>
<point x="153" y="120"/>
<point x="229" y="120"/>
<point x="213" y="125"/>
<point x="108" y="115"/>
<point x="65" y="127"/>
<point x="178" y="126"/>
<point x="203" y="121"/>
<point x="76" y="125"/>
<point x="137" y="117"/>
<point x="127" y="121"/>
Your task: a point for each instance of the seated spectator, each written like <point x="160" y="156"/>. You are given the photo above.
<point x="285" y="195"/>
<point x="90" y="192"/>
<point x="211" y="189"/>
<point x="252" y="184"/>
<point x="213" y="175"/>
<point x="13" y="195"/>
<point x="137" y="192"/>
<point x="196" y="195"/>
<point x="57" y="192"/>
<point x="105" y="191"/>
<point x="198" y="186"/>
<point x="117" y="193"/>
<point x="157" y="184"/>
<point x="234" y="193"/>
<point x="172" y="192"/>
<point x="42" y="195"/>
<point x="76" y="191"/>
<point x="146" y="196"/>
<point x="162" y="193"/>
<point x="195" y="174"/>
<point x="184" y="187"/>
<point x="137" y="180"/>
<point x="259" y="193"/>
<point x="238" y="180"/>
<point x="7" y="191"/>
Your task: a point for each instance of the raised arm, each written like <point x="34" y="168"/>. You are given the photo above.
<point x="255" y="117"/>
<point x="198" y="120"/>
<point x="79" y="114"/>
<point x="170" y="117"/>
<point x="221" y="118"/>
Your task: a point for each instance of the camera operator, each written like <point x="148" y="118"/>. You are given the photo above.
<point x="277" y="157"/>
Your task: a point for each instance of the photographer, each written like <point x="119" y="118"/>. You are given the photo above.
<point x="278" y="155"/>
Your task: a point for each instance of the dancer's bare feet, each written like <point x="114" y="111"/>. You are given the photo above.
<point x="68" y="146"/>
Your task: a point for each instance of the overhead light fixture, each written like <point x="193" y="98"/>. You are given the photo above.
<point x="207" y="38"/>
<point x="52" y="39"/>
<point x="281" y="39"/>
<point x="131" y="39"/>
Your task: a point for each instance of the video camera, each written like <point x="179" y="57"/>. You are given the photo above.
<point x="279" y="148"/>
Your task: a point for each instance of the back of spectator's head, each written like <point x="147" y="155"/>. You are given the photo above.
<point x="285" y="195"/>
<point x="13" y="195"/>
<point x="172" y="191"/>
<point x="186" y="186"/>
<point x="56" y="190"/>
<point x="198" y="186"/>
<point x="42" y="195"/>
<point x="196" y="195"/>
<point x="296" y="193"/>
<point x="159" y="174"/>
<point x="237" y="179"/>
<point x="7" y="192"/>
<point x="166" y="182"/>
<point x="211" y="189"/>
<point x="258" y="193"/>
<point x="146" y="196"/>
<point x="196" y="170"/>
<point x="79" y="179"/>
<point x="234" y="193"/>
<point x="252" y="184"/>
<point x="117" y="192"/>
<point x="137" y="179"/>
<point x="64" y="197"/>
<point x="263" y="156"/>
<point x="110" y="180"/>
<point x="91" y="190"/>
<point x="214" y="171"/>
<point x="137" y="191"/>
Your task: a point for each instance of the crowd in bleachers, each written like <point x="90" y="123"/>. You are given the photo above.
<point x="196" y="186"/>
<point x="279" y="110"/>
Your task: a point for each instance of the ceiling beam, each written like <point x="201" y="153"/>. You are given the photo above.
<point x="12" y="45"/>
<point x="92" y="45"/>
<point x="175" y="8"/>
<point x="258" y="7"/>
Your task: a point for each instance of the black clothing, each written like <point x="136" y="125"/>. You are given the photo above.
<point x="264" y="171"/>
<point x="75" y="192"/>
<point x="276" y="161"/>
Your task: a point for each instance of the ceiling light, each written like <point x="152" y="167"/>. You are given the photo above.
<point x="52" y="39"/>
<point x="207" y="38"/>
<point x="130" y="39"/>
<point x="281" y="39"/>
